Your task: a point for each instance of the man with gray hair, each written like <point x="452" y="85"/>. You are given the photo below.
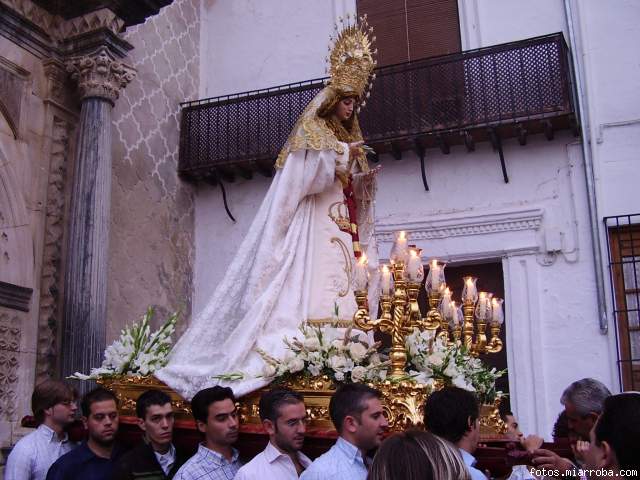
<point x="583" y="401"/>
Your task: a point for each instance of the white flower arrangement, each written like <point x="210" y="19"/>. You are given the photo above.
<point x="430" y="360"/>
<point x="341" y="356"/>
<point x="138" y="351"/>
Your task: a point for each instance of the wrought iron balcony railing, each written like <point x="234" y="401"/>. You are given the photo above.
<point x="508" y="90"/>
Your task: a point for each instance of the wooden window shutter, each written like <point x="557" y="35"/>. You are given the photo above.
<point x="412" y="29"/>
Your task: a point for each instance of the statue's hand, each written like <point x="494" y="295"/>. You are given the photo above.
<point x="355" y="149"/>
<point x="342" y="175"/>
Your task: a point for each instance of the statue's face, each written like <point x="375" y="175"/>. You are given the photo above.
<point x="344" y="108"/>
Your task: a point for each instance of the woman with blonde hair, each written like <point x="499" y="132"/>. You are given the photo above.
<point x="417" y="455"/>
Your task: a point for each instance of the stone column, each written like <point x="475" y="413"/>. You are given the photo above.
<point x="100" y="78"/>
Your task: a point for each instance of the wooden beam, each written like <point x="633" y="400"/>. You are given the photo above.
<point x="522" y="134"/>
<point x="548" y="129"/>
<point x="245" y="170"/>
<point x="442" y="143"/>
<point x="226" y="174"/>
<point x="266" y="170"/>
<point x="469" y="142"/>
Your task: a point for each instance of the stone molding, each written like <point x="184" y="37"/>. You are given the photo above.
<point x="10" y="338"/>
<point x="456" y="225"/>
<point x="13" y="82"/>
<point x="51" y="277"/>
<point x="100" y="75"/>
<point x="60" y="29"/>
<point x="15" y="297"/>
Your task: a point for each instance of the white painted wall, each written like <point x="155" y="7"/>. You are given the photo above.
<point x="553" y="334"/>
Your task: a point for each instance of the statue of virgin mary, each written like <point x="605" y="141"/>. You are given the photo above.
<point x="295" y="264"/>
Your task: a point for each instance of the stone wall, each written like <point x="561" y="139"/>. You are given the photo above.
<point x="151" y="239"/>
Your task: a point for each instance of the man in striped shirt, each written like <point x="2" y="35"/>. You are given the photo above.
<point x="214" y="410"/>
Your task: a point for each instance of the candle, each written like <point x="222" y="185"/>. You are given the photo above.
<point x="469" y="291"/>
<point x="361" y="274"/>
<point x="435" y="275"/>
<point x="399" y="250"/>
<point x="497" y="312"/>
<point x="454" y="319"/>
<point x="385" y="283"/>
<point x="415" y="269"/>
<point x="482" y="312"/>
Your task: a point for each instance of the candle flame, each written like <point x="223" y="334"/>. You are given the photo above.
<point x="385" y="270"/>
<point x="363" y="259"/>
<point x="453" y="304"/>
<point x="413" y="253"/>
<point x="401" y="235"/>
<point x="434" y="263"/>
<point x="447" y="291"/>
<point x="483" y="294"/>
<point x="469" y="281"/>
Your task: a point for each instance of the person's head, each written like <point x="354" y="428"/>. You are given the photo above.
<point x="357" y="414"/>
<point x="155" y="418"/>
<point x="453" y="414"/>
<point x="284" y="418"/>
<point x="513" y="427"/>
<point x="344" y="108"/>
<point x="583" y="402"/>
<point x="100" y="415"/>
<point x="340" y="105"/>
<point x="615" y="438"/>
<point x="54" y="403"/>
<point x="561" y="427"/>
<point x="214" y="410"/>
<point x="417" y="455"/>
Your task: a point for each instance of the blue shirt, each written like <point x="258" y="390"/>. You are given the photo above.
<point x="470" y="461"/>
<point x="209" y="465"/>
<point x="343" y="461"/>
<point x="82" y="463"/>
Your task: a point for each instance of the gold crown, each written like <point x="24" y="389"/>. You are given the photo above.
<point x="339" y="213"/>
<point x="351" y="59"/>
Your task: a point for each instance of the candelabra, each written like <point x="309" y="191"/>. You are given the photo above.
<point x="400" y="312"/>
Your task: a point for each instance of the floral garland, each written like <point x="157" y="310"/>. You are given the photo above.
<point x="431" y="359"/>
<point x="138" y="351"/>
<point x="341" y="356"/>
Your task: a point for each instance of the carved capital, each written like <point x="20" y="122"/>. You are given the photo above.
<point x="100" y="75"/>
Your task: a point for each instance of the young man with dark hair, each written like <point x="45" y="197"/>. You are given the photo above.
<point x="156" y="457"/>
<point x="214" y="410"/>
<point x="54" y="406"/>
<point x="284" y="418"/>
<point x="453" y="414"/>
<point x="356" y="413"/>
<point x="614" y="447"/>
<point x="93" y="459"/>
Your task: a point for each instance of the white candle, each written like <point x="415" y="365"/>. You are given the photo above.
<point x="481" y="307"/>
<point x="415" y="269"/>
<point x="399" y="250"/>
<point x="385" y="283"/>
<point x="469" y="291"/>
<point x="497" y="314"/>
<point x="435" y="275"/>
<point x="453" y="318"/>
<point x="361" y="274"/>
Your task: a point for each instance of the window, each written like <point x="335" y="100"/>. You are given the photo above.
<point x="408" y="30"/>
<point x="624" y="266"/>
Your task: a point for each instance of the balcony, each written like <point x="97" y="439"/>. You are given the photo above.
<point x="505" y="91"/>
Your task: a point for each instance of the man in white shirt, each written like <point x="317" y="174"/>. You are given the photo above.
<point x="284" y="418"/>
<point x="54" y="406"/>
<point x="454" y="414"/>
<point x="357" y="414"/>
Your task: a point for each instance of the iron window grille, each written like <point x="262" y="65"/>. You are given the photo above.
<point x="623" y="235"/>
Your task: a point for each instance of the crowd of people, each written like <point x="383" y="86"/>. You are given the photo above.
<point x="604" y="428"/>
